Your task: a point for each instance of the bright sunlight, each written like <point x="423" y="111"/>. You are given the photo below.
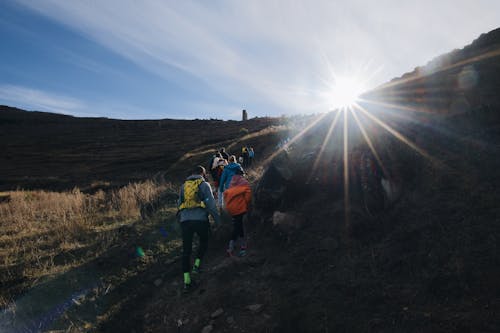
<point x="346" y="91"/>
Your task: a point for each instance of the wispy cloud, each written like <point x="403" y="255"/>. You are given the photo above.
<point x="40" y="100"/>
<point x="274" y="52"/>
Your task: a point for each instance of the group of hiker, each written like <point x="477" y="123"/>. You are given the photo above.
<point x="197" y="201"/>
<point x="246" y="157"/>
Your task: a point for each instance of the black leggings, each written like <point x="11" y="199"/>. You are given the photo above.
<point x="237" y="227"/>
<point x="189" y="228"/>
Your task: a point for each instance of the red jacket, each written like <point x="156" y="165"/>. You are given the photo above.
<point x="237" y="197"/>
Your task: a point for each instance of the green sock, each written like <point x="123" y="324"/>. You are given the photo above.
<point x="197" y="263"/>
<point x="187" y="278"/>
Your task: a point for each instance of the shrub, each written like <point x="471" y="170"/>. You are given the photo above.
<point x="243" y="131"/>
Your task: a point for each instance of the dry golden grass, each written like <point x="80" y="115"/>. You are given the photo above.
<point x="37" y="229"/>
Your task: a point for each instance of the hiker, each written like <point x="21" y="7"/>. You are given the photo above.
<point x="196" y="201"/>
<point x="217" y="167"/>
<point x="211" y="162"/>
<point x="244" y="154"/>
<point x="251" y="155"/>
<point x="225" y="155"/>
<point x="228" y="173"/>
<point x="237" y="200"/>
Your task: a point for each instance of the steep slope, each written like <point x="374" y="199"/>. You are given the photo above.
<point x="427" y="260"/>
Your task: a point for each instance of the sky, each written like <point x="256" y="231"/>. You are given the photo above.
<point x="130" y="59"/>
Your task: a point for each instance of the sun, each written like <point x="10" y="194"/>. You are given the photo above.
<point x="345" y="91"/>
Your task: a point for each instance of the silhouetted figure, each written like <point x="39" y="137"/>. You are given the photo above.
<point x="225" y="155"/>
<point x="251" y="155"/>
<point x="244" y="154"/>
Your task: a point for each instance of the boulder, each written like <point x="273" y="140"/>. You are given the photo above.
<point x="207" y="329"/>
<point x="286" y="222"/>
<point x="254" y="307"/>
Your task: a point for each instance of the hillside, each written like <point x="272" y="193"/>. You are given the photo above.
<point x="423" y="261"/>
<point x="51" y="151"/>
<point x="330" y="248"/>
<point x="461" y="81"/>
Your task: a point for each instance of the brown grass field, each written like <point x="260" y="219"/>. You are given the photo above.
<point x="47" y="233"/>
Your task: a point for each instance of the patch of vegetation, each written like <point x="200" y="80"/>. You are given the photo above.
<point x="243" y="131"/>
<point x="47" y="233"/>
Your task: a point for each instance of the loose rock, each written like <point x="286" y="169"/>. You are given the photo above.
<point x="286" y="222"/>
<point x="207" y="329"/>
<point x="217" y="313"/>
<point x="254" y="307"/>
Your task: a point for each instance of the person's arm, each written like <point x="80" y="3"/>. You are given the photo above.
<point x="222" y="180"/>
<point x="181" y="196"/>
<point x="208" y="198"/>
<point x="215" y="162"/>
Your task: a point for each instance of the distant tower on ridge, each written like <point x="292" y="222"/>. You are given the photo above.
<point x="244" y="115"/>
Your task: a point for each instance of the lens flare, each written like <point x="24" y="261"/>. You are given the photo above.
<point x="346" y="91"/>
<point x="139" y="252"/>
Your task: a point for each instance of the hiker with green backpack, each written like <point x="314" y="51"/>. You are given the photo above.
<point x="196" y="202"/>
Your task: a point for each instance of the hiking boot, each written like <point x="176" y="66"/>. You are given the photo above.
<point x="229" y="253"/>
<point x="196" y="270"/>
<point x="187" y="288"/>
<point x="242" y="253"/>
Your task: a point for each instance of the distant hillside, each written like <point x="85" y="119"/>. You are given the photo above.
<point x="53" y="151"/>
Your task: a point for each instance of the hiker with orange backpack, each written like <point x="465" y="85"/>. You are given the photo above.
<point x="237" y="199"/>
<point x="196" y="202"/>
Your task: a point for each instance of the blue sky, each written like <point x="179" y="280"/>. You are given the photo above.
<point x="210" y="59"/>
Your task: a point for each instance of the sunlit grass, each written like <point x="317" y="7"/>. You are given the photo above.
<point x="41" y="230"/>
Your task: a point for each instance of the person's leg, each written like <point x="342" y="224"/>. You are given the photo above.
<point x="237" y="232"/>
<point x="202" y="229"/>
<point x="187" y="242"/>
<point x="240" y="234"/>
<point x="234" y="234"/>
